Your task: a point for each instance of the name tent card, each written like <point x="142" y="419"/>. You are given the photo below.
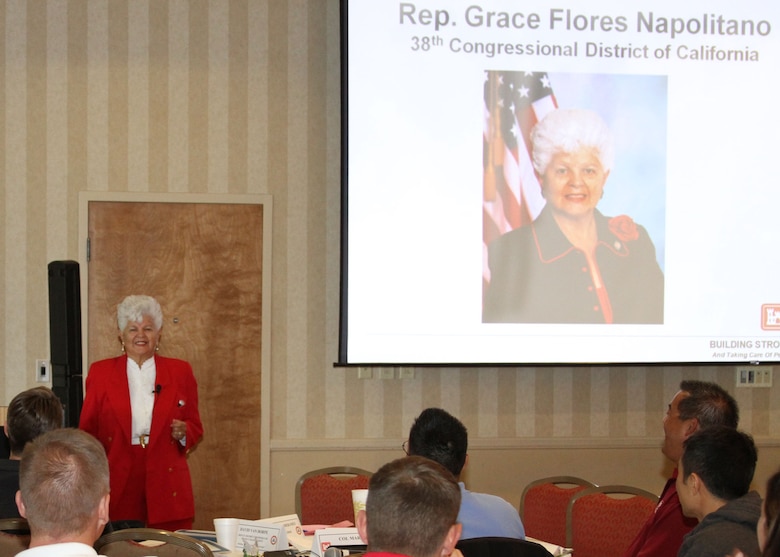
<point x="266" y="536"/>
<point x="339" y="537"/>
<point x="292" y="525"/>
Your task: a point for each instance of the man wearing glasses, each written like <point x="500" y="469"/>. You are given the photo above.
<point x="441" y="437"/>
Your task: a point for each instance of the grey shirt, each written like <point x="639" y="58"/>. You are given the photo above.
<point x="733" y="526"/>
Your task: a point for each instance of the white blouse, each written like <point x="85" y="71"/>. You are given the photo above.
<point x="142" y="393"/>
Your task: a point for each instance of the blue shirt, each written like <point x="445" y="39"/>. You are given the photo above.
<point x="483" y="515"/>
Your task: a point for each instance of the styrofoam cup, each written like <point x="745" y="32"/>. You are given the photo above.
<point x="227" y="532"/>
<point x="359" y="497"/>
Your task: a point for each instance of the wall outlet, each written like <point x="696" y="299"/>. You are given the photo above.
<point x="365" y="373"/>
<point x="386" y="373"/>
<point x="42" y="371"/>
<point x="754" y="376"/>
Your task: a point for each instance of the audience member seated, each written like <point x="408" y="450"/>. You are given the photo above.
<point x="715" y="472"/>
<point x="5" y="447"/>
<point x="412" y="510"/>
<point x="64" y="493"/>
<point x="440" y="436"/>
<point x="696" y="405"/>
<point x="769" y="524"/>
<point x="768" y="528"/>
<point x="31" y="413"/>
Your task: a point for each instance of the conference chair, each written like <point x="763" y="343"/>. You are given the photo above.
<point x="603" y="521"/>
<point x="14" y="536"/>
<point x="324" y="496"/>
<point x="141" y="542"/>
<point x="501" y="547"/>
<point x="115" y="525"/>
<point x="543" y="507"/>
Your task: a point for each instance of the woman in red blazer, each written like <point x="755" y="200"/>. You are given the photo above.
<point x="143" y="408"/>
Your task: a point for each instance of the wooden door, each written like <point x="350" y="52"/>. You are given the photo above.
<point x="203" y="263"/>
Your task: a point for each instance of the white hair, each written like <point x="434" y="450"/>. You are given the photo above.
<point x="568" y="130"/>
<point x="135" y="307"/>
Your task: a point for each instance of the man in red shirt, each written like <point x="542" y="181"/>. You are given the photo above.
<point x="411" y="509"/>
<point x="696" y="405"/>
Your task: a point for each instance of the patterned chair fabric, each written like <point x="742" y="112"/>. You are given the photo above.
<point x="324" y="496"/>
<point x="603" y="521"/>
<point x="543" y="506"/>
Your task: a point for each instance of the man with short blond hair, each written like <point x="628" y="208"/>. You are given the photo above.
<point x="63" y="493"/>
<point x="411" y="509"/>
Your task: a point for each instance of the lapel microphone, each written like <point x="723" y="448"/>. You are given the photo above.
<point x="157" y="389"/>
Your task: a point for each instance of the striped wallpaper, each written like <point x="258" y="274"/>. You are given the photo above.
<point x="235" y="97"/>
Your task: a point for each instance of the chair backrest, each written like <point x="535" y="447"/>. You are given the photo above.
<point x="127" y="543"/>
<point x="14" y="536"/>
<point x="603" y="521"/>
<point x="543" y="506"/>
<point x="501" y="547"/>
<point x="324" y="496"/>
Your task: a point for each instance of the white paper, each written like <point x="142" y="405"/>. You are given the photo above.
<point x="266" y="536"/>
<point x="341" y="537"/>
<point x="292" y="525"/>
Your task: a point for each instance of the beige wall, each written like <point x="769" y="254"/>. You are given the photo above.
<point x="242" y="97"/>
<point x="505" y="467"/>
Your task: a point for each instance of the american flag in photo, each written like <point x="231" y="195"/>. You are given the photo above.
<point x="514" y="103"/>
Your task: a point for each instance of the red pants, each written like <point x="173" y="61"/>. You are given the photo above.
<point x="134" y="497"/>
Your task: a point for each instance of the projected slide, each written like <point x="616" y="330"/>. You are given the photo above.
<point x="536" y="183"/>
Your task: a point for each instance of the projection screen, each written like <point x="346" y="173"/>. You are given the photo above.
<point x="560" y="183"/>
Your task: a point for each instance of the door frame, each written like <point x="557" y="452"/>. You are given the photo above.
<point x="85" y="197"/>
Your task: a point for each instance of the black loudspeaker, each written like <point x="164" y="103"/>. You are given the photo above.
<point x="65" y="337"/>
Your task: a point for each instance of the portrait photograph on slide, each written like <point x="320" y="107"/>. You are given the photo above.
<point x="562" y="242"/>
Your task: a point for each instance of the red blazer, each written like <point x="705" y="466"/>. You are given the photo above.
<point x="106" y="414"/>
